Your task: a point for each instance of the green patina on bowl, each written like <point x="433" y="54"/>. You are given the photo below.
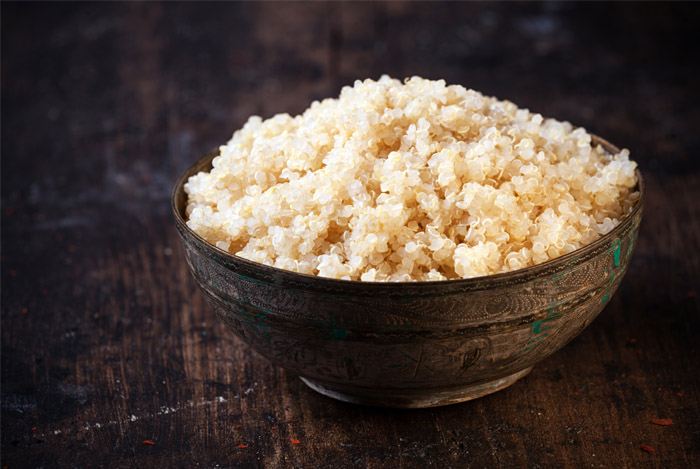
<point x="414" y="344"/>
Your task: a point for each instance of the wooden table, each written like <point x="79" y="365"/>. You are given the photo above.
<point x="107" y="344"/>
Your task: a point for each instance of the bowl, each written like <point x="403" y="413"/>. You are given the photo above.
<point x="412" y="344"/>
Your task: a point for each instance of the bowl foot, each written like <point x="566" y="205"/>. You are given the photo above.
<point x="413" y="398"/>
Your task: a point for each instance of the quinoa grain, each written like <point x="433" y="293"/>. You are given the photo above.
<point x="409" y="181"/>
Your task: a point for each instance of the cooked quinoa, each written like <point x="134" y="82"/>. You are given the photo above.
<point x="409" y="181"/>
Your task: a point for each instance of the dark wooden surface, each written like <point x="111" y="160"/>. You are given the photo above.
<point x="106" y="341"/>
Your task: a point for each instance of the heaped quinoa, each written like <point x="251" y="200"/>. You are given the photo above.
<point x="409" y="182"/>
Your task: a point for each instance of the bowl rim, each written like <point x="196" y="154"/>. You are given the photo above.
<point x="494" y="279"/>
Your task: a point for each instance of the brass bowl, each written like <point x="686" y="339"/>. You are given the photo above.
<point x="413" y="344"/>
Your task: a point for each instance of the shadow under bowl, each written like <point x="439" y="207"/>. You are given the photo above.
<point x="413" y="344"/>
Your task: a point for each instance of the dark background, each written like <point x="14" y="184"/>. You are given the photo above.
<point x="106" y="341"/>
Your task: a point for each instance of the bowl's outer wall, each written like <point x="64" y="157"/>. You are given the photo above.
<point x="421" y="335"/>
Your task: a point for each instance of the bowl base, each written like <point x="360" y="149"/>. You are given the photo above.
<point x="413" y="398"/>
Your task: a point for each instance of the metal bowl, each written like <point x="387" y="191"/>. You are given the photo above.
<point x="414" y="344"/>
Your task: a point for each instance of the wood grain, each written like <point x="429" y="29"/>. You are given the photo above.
<point x="106" y="342"/>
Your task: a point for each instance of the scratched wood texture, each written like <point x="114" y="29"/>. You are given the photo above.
<point x="106" y="341"/>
